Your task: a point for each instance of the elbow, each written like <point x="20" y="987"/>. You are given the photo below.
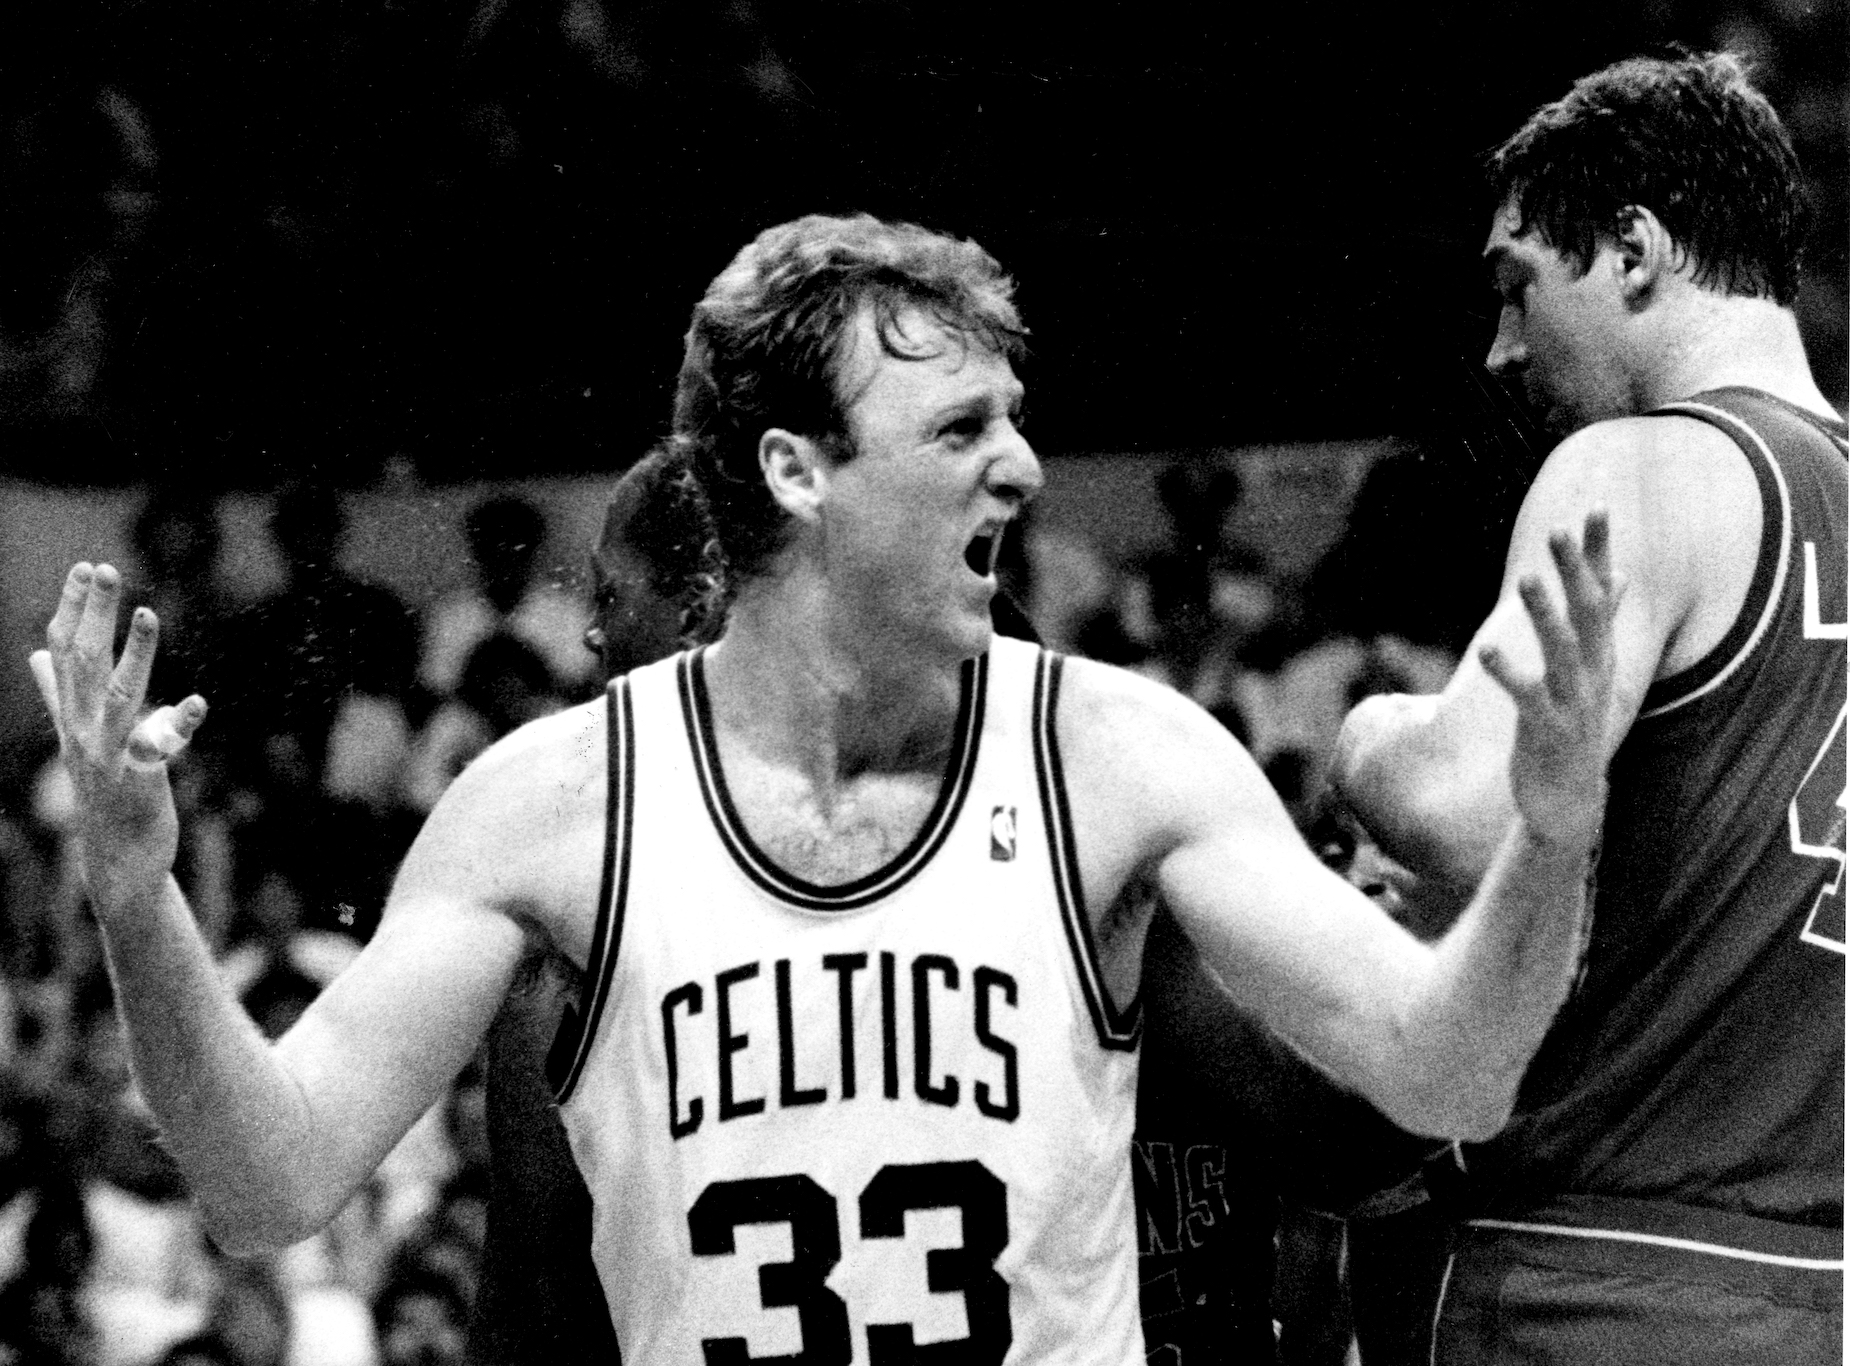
<point x="1451" y="1107"/>
<point x="1478" y="1125"/>
<point x="1451" y="1123"/>
<point x="1378" y="736"/>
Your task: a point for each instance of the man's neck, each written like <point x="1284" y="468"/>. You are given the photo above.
<point x="1721" y="342"/>
<point x="802" y="688"/>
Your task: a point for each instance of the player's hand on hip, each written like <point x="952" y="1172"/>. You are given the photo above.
<point x="1558" y="765"/>
<point x="116" y="757"/>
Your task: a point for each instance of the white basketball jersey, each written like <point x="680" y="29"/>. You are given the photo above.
<point x="887" y="1121"/>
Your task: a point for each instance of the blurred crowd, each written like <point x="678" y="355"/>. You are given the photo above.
<point x="1279" y="596"/>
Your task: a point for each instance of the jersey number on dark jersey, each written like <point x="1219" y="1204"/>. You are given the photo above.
<point x="815" y="1248"/>
<point x="1817" y="820"/>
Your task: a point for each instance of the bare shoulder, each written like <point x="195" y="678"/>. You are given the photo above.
<point x="1670" y="480"/>
<point x="1685" y="512"/>
<point x="1148" y="764"/>
<point x="544" y="765"/>
<point x="520" y="830"/>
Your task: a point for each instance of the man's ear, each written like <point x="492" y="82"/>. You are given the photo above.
<point x="794" y="469"/>
<point x="1648" y="255"/>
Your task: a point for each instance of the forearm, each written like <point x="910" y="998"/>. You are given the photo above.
<point x="1497" y="980"/>
<point x="230" y="1113"/>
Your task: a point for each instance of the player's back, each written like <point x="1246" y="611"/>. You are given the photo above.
<point x="1700" y="1059"/>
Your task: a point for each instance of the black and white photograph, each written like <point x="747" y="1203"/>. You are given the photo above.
<point x="869" y="683"/>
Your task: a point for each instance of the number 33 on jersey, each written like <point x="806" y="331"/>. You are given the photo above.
<point x="882" y="1122"/>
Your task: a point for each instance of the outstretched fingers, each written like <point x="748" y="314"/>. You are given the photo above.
<point x="1530" y="694"/>
<point x="128" y="682"/>
<point x="1587" y="580"/>
<point x="165" y="731"/>
<point x="63" y="625"/>
<point x="95" y="636"/>
<point x="47" y="679"/>
<point x="86" y="659"/>
<point x="60" y="636"/>
<point x="94" y="698"/>
<point x="1561" y="659"/>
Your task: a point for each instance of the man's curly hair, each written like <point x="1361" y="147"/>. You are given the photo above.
<point x="767" y="343"/>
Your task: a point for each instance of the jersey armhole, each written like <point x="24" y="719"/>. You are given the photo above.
<point x="571" y="1046"/>
<point x="1116" y="1030"/>
<point x="1771" y="566"/>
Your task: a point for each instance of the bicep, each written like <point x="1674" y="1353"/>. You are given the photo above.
<point x="1435" y="787"/>
<point x="1653" y="599"/>
<point x="384" y="1041"/>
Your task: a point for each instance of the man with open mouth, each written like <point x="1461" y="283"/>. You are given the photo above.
<point x="854" y="898"/>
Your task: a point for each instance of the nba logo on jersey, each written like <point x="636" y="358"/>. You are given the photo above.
<point x="1002" y="834"/>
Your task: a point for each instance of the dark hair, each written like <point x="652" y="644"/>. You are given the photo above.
<point x="1686" y="137"/>
<point x="658" y="512"/>
<point x="507" y="524"/>
<point x="766" y="343"/>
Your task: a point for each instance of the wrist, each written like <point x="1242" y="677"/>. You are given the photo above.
<point x="1567" y="836"/>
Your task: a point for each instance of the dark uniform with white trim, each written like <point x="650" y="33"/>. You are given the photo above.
<point x="848" y="1120"/>
<point x="1672" y="1189"/>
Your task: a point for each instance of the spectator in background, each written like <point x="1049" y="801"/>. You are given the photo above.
<point x="419" y="1316"/>
<point x="496" y="656"/>
<point x="656" y="582"/>
<point x="44" y="1320"/>
<point x="316" y="723"/>
<point x="248" y="1316"/>
<point x="326" y="649"/>
<point x="177" y="539"/>
<point x="504" y="535"/>
<point x="1246" y="622"/>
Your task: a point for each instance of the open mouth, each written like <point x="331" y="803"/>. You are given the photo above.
<point x="982" y="552"/>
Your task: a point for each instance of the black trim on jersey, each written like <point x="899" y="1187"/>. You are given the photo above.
<point x="607" y="933"/>
<point x="697" y="712"/>
<point x="1119" y="1030"/>
<point x="1771" y="568"/>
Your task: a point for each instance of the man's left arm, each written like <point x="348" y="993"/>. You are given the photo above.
<point x="1427" y="776"/>
<point x="1437" y="1036"/>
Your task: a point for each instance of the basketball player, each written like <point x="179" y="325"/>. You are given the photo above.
<point x="539" y="1300"/>
<point x="1672" y="1187"/>
<point x="858" y="973"/>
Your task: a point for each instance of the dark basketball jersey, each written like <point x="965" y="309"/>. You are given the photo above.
<point x="1233" y="1129"/>
<point x="1700" y="1059"/>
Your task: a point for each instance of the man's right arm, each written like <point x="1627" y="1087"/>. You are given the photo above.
<point x="274" y="1139"/>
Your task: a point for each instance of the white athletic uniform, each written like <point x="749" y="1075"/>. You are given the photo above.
<point x="880" y="1122"/>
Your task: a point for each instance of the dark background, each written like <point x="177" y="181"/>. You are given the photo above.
<point x="245" y="240"/>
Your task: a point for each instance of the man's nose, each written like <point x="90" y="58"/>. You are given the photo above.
<point x="1506" y="349"/>
<point x="1016" y="472"/>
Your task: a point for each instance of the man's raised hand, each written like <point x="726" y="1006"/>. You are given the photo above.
<point x="1558" y="765"/>
<point x="116" y="758"/>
